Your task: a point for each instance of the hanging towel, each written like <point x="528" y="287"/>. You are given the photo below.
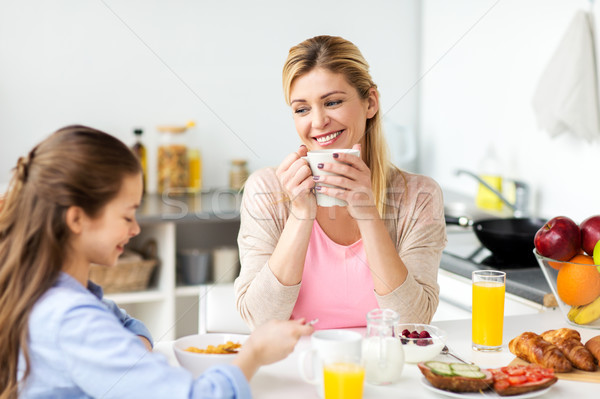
<point x="566" y="99"/>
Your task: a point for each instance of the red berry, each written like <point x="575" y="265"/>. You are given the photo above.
<point x="414" y="335"/>
<point x="405" y="333"/>
<point x="422" y="342"/>
<point x="424" y="334"/>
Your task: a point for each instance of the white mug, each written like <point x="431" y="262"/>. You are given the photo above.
<point x="327" y="345"/>
<point x="314" y="158"/>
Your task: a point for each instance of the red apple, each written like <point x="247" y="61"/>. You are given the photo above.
<point x="590" y="233"/>
<point x="559" y="238"/>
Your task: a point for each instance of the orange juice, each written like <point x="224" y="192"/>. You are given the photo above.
<point x="343" y="380"/>
<point x="488" y="313"/>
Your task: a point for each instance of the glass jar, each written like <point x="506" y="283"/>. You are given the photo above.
<point x="173" y="170"/>
<point x="382" y="352"/>
<point x="139" y="149"/>
<point x="238" y="174"/>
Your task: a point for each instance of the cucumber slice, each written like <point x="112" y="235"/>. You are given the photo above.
<point x="440" y="368"/>
<point x="456" y="367"/>
<point x="470" y="374"/>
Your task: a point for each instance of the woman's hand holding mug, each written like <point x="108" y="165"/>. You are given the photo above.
<point x="296" y="178"/>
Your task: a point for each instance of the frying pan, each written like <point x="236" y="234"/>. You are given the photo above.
<point x="509" y="239"/>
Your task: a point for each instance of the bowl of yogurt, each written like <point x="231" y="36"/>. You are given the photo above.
<point x="420" y="342"/>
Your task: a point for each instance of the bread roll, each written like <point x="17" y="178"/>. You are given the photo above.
<point x="593" y="345"/>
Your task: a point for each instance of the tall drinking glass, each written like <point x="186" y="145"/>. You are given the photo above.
<point x="488" y="309"/>
<point x="343" y="377"/>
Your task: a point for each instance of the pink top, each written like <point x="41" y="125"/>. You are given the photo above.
<point x="337" y="287"/>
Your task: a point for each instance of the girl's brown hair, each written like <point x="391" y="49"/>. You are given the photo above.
<point x="75" y="166"/>
<point x="338" y="55"/>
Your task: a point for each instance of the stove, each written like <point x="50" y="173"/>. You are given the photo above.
<point x="464" y="254"/>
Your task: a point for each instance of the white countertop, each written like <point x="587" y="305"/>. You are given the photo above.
<point x="282" y="380"/>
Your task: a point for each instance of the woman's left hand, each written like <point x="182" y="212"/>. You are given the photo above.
<point x="353" y="184"/>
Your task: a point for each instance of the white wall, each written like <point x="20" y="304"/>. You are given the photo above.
<point x="114" y="65"/>
<point x="482" y="61"/>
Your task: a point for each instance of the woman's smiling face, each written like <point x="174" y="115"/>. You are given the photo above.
<point x="328" y="111"/>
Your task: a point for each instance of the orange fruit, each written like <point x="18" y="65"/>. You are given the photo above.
<point x="577" y="283"/>
<point x="555" y="265"/>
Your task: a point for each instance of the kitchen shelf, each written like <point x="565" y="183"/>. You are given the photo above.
<point x="189" y="290"/>
<point x="136" y="297"/>
<point x="204" y="221"/>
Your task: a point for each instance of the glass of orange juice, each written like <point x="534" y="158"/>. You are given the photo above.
<point x="488" y="309"/>
<point x="343" y="378"/>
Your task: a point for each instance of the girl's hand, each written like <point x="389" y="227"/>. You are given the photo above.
<point x="276" y="339"/>
<point x="146" y="343"/>
<point x="269" y="343"/>
<point x="353" y="184"/>
<point x="295" y="176"/>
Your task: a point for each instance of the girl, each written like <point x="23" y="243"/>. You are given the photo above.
<point x="71" y="202"/>
<point x="336" y="264"/>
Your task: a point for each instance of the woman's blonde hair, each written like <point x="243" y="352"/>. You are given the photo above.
<point x="338" y="55"/>
<point x="75" y="166"/>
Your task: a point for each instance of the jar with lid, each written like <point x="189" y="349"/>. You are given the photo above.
<point x="382" y="350"/>
<point x="238" y="174"/>
<point x="173" y="171"/>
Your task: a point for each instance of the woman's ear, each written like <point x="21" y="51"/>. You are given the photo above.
<point x="373" y="103"/>
<point x="74" y="219"/>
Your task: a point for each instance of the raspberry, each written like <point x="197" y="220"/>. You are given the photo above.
<point x="414" y="335"/>
<point x="405" y="333"/>
<point x="422" y="342"/>
<point x="424" y="334"/>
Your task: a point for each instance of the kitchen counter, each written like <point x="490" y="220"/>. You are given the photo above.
<point x="282" y="379"/>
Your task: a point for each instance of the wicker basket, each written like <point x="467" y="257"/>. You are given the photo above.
<point x="131" y="273"/>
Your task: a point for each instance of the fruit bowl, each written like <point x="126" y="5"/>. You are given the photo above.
<point x="428" y="345"/>
<point x="576" y="286"/>
<point x="197" y="363"/>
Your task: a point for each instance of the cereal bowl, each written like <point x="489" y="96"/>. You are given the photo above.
<point x="576" y="286"/>
<point x="197" y="363"/>
<point x="426" y="346"/>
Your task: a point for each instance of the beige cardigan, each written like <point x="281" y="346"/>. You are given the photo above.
<point x="414" y="219"/>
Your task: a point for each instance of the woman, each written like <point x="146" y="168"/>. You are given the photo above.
<point x="335" y="264"/>
<point x="71" y="202"/>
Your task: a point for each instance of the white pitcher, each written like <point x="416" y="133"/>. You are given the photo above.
<point x="382" y="350"/>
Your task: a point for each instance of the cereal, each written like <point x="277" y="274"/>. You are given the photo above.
<point x="222" y="349"/>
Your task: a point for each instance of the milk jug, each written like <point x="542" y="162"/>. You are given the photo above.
<point x="382" y="350"/>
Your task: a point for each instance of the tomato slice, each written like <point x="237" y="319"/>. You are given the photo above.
<point x="515" y="370"/>
<point x="517" y="379"/>
<point x="501" y="384"/>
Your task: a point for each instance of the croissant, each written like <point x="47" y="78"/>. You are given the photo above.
<point x="533" y="348"/>
<point x="593" y="345"/>
<point x="569" y="342"/>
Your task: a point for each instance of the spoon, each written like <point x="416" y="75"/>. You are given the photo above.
<point x="446" y="351"/>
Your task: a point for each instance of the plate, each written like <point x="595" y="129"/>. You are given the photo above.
<point x="488" y="394"/>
